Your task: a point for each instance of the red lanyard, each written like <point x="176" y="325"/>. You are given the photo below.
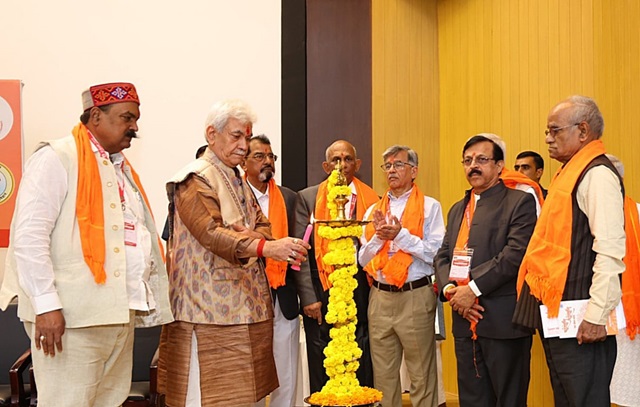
<point x="119" y="174"/>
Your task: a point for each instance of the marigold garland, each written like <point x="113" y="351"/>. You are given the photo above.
<point x="342" y="353"/>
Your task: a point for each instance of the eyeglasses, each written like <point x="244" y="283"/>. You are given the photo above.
<point x="480" y="160"/>
<point x="398" y="165"/>
<point x="262" y="156"/>
<point x="553" y="131"/>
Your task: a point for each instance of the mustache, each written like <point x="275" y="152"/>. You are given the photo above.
<point x="474" y="171"/>
<point x="131" y="134"/>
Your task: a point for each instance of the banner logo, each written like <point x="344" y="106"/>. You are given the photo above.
<point x="7" y="183"/>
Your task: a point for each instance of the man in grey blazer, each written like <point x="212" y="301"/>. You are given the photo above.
<point x="316" y="329"/>
<point x="476" y="268"/>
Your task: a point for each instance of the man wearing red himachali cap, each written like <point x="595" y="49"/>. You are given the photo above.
<point x="84" y="258"/>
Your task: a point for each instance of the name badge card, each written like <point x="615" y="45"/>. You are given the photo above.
<point x="130" y="234"/>
<point x="461" y="264"/>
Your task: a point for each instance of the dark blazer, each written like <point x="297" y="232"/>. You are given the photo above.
<point x="500" y="231"/>
<point x="305" y="207"/>
<point x="295" y="282"/>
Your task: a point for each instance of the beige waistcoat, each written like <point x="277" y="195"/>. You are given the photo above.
<point x="84" y="302"/>
<point x="204" y="287"/>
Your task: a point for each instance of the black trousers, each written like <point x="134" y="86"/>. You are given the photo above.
<point x="317" y="337"/>
<point x="493" y="372"/>
<point x="580" y="374"/>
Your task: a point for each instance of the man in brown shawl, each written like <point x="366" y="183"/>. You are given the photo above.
<point x="218" y="352"/>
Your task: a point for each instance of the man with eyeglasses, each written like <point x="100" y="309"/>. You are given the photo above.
<point x="398" y="248"/>
<point x="576" y="253"/>
<point x="278" y="203"/>
<point x="312" y="204"/>
<point x="219" y="349"/>
<point x="476" y="269"/>
<point x="531" y="164"/>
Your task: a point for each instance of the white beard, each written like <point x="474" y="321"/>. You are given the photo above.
<point x="265" y="176"/>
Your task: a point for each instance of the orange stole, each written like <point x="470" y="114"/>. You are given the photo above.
<point x="396" y="267"/>
<point x="461" y="243"/>
<point x="89" y="204"/>
<point x="512" y="178"/>
<point x="277" y="270"/>
<point x="631" y="276"/>
<point x="366" y="197"/>
<point x="546" y="262"/>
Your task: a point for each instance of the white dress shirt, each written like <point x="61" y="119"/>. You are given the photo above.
<point x="421" y="250"/>
<point x="263" y="199"/>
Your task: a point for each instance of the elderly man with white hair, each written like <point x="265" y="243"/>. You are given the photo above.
<point x="576" y="253"/>
<point x="219" y="349"/>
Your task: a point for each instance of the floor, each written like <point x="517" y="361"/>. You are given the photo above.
<point x="406" y="402"/>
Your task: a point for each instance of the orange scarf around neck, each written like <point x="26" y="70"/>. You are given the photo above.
<point x="90" y="205"/>
<point x="512" y="178"/>
<point x="366" y="197"/>
<point x="631" y="275"/>
<point x="396" y="268"/>
<point x="461" y="243"/>
<point x="546" y="262"/>
<point x="277" y="270"/>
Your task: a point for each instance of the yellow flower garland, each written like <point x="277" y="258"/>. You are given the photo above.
<point x="342" y="353"/>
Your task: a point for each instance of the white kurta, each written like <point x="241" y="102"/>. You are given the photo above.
<point x="625" y="383"/>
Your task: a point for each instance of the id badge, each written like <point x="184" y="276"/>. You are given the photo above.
<point x="130" y="234"/>
<point x="461" y="264"/>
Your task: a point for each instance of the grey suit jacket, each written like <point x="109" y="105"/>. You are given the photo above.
<point x="305" y="207"/>
<point x="295" y="280"/>
<point x="500" y="231"/>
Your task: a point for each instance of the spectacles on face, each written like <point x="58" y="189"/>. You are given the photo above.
<point x="262" y="156"/>
<point x="398" y="165"/>
<point x="553" y="131"/>
<point x="480" y="160"/>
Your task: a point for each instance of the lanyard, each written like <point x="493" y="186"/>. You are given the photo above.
<point x="119" y="172"/>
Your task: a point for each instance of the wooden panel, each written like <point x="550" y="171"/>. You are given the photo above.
<point x="616" y="71"/>
<point x="338" y="81"/>
<point x="505" y="63"/>
<point x="405" y="86"/>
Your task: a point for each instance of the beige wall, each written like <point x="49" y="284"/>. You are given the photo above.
<point x="182" y="57"/>
<point x="405" y="91"/>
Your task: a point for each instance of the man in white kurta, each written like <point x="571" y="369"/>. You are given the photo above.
<point x="84" y="258"/>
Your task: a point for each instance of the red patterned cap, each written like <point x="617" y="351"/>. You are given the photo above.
<point x="109" y="93"/>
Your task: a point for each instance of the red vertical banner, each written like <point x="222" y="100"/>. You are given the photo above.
<point x="10" y="152"/>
